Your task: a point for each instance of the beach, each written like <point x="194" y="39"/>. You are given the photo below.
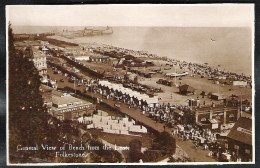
<point x="170" y="94"/>
<point x="231" y="49"/>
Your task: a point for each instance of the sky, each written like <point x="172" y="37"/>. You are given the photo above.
<point x="207" y="15"/>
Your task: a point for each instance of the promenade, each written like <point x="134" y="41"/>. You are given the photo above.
<point x="197" y="155"/>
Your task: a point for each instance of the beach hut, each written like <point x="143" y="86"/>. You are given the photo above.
<point x="194" y="102"/>
<point x="217" y="96"/>
<point x="214" y="124"/>
<point x="186" y="89"/>
<point x="240" y="83"/>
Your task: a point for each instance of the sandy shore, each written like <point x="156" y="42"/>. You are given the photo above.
<point x="200" y="84"/>
<point x="170" y="94"/>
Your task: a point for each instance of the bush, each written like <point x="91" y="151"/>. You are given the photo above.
<point x="151" y="155"/>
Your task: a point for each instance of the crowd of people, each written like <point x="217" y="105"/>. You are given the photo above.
<point x="207" y="71"/>
<point x="199" y="69"/>
<point x="207" y="140"/>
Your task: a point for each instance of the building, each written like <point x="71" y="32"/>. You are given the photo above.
<point x="32" y="50"/>
<point x="82" y="58"/>
<point x="44" y="42"/>
<point x="99" y="58"/>
<point x="240" y="139"/>
<point x="218" y="118"/>
<point x="44" y="49"/>
<point x="67" y="107"/>
<point x="186" y="89"/>
<point x="63" y="105"/>
<point x="129" y="96"/>
<point x="194" y="102"/>
<point x="39" y="59"/>
<point x="112" y="124"/>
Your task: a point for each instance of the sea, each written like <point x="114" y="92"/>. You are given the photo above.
<point x="228" y="48"/>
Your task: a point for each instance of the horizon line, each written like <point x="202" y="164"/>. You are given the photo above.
<point x="135" y="26"/>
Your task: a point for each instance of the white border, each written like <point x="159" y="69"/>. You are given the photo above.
<point x="147" y="163"/>
<point x="253" y="85"/>
<point x="7" y="84"/>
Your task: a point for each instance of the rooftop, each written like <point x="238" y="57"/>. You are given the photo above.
<point x="45" y="88"/>
<point x="242" y="131"/>
<point x="37" y="52"/>
<point x="60" y="98"/>
<point x="218" y="107"/>
<point x="187" y="88"/>
<point x="97" y="56"/>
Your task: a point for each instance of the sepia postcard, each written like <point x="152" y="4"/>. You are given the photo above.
<point x="130" y="84"/>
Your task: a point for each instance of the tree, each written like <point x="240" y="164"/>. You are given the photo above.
<point x="27" y="115"/>
<point x="29" y="122"/>
<point x="135" y="150"/>
<point x="166" y="143"/>
<point x="151" y="155"/>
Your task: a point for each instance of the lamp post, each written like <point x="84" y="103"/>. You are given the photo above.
<point x="74" y="87"/>
<point x="91" y="91"/>
<point x="218" y="87"/>
<point x="241" y="103"/>
<point x="190" y="100"/>
<point x="175" y="73"/>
